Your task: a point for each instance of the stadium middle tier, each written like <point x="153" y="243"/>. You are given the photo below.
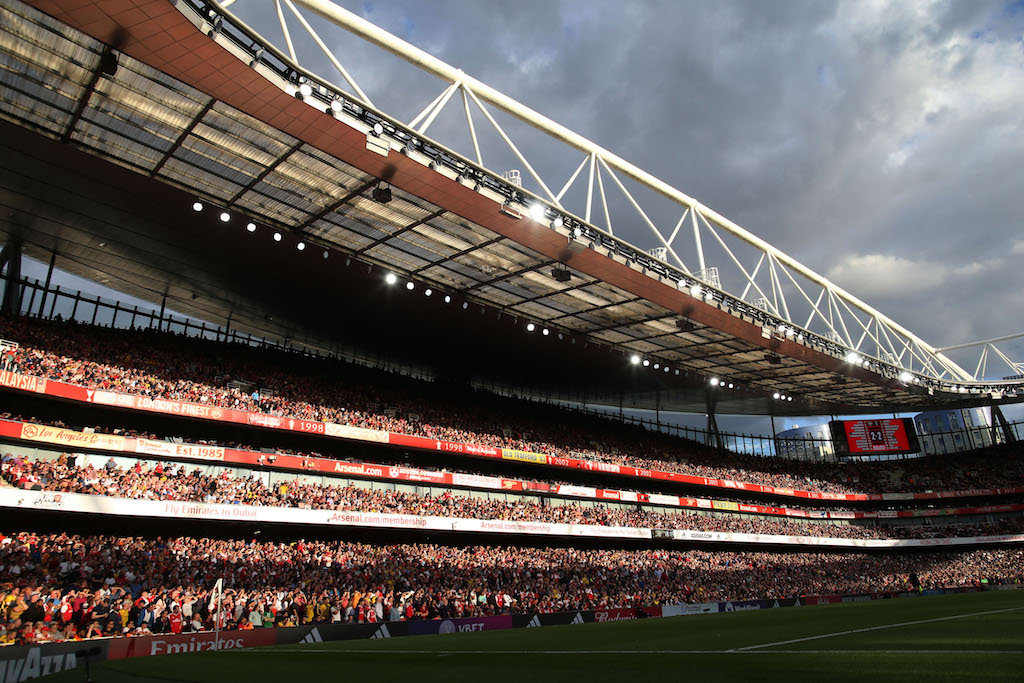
<point x="69" y="586"/>
<point x="187" y="492"/>
<point x="190" y="378"/>
<point x="27" y="438"/>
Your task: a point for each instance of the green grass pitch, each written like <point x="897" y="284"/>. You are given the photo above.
<point x="971" y="637"/>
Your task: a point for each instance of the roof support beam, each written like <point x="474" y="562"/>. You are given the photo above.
<point x="181" y="138"/>
<point x="267" y="171"/>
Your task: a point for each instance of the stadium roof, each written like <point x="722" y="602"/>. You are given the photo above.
<point x="187" y="119"/>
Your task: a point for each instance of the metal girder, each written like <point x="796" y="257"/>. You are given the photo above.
<point x="265" y="172"/>
<point x="182" y="137"/>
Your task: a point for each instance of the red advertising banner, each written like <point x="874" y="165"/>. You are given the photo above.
<point x="145" y="646"/>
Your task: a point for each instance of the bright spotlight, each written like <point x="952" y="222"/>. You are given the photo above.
<point x="410" y="285"/>
<point x="714" y="381"/>
<point x="326" y="253"/>
<point x="537" y="212"/>
<point x="197" y="206"/>
<point x="545" y="332"/>
<point x="305" y="90"/>
<point x="789" y="398"/>
<point x="634" y="359"/>
<point x="906" y="377"/>
<point x="336" y="106"/>
<point x="391" y="278"/>
<point x="447" y="298"/>
<point x="530" y="327"/>
<point x="300" y="246"/>
<point x="730" y="385"/>
<point x="465" y="305"/>
<point x="776" y="395"/>
<point x="646" y="362"/>
<point x="852" y="357"/>
<point x="657" y="366"/>
<point x="666" y="368"/>
<point x="277" y="237"/>
<point x="251" y="227"/>
<point x="428" y="291"/>
<point x="695" y="290"/>
<point x="782" y="396"/>
<point x="782" y="330"/>
<point x="225" y="216"/>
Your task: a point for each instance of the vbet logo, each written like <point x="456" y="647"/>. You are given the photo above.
<point x="449" y="626"/>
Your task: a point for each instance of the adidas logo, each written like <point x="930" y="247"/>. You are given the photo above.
<point x="313" y="637"/>
<point x="534" y="622"/>
<point x="578" y="619"/>
<point x="382" y="632"/>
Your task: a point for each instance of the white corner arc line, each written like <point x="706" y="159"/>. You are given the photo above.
<point x="876" y="628"/>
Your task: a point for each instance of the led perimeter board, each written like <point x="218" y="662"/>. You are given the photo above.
<point x="874" y="437"/>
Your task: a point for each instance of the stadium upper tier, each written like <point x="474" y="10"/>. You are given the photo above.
<point x="188" y="104"/>
<point x="62" y="586"/>
<point x="207" y="373"/>
<point x="176" y="482"/>
<point x="394" y="470"/>
<point x="373" y="405"/>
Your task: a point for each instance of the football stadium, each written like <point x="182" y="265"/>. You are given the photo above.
<point x="292" y="383"/>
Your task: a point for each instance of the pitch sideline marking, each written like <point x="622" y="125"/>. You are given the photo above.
<point x="875" y="628"/>
<point x="619" y="652"/>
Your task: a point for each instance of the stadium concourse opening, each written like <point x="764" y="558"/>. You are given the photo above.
<point x="332" y="445"/>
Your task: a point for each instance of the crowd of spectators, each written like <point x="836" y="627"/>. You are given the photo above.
<point x="61" y="586"/>
<point x="167" y="366"/>
<point x="178" y="482"/>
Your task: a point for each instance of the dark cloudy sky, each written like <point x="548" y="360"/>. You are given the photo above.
<point x="880" y="143"/>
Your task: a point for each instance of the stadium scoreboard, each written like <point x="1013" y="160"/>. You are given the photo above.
<point x="874" y="437"/>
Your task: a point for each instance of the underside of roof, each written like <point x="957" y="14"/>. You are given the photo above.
<point x="104" y="152"/>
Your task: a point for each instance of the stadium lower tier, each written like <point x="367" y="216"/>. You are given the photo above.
<point x="186" y="483"/>
<point x="145" y="365"/>
<point x="64" y="587"/>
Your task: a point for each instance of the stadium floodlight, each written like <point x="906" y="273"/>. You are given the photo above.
<point x="410" y="285"/>
<point x="577" y="232"/>
<point x="657" y="366"/>
<point x="465" y="305"/>
<point x="447" y="298"/>
<point x="853" y="358"/>
<point x="391" y="278"/>
<point x="906" y="377"/>
<point x="277" y="237"/>
<point x="545" y="331"/>
<point x="197" y="206"/>
<point x="300" y="246"/>
<point x="305" y="90"/>
<point x="634" y="359"/>
<point x="647" y="363"/>
<point x="225" y="216"/>
<point x="782" y="397"/>
<point x="537" y="212"/>
<point x="730" y="385"/>
<point x="695" y="290"/>
<point x="530" y="327"/>
<point x="782" y="330"/>
<point x="428" y="291"/>
<point x="326" y="253"/>
<point x="789" y="398"/>
<point x="776" y="395"/>
<point x="666" y="368"/>
<point x="558" y="223"/>
<point x="800" y="337"/>
<point x="378" y="129"/>
<point x="251" y="227"/>
<point x="714" y="381"/>
<point x="336" y="106"/>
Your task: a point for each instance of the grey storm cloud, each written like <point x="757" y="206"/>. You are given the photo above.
<point x="878" y="142"/>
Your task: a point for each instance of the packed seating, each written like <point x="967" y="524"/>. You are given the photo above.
<point x="163" y="365"/>
<point x="179" y="482"/>
<point x="63" y="587"/>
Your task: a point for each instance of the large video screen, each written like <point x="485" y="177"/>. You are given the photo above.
<point x="874" y="437"/>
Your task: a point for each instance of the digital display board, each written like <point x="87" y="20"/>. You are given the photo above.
<point x="874" y="437"/>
